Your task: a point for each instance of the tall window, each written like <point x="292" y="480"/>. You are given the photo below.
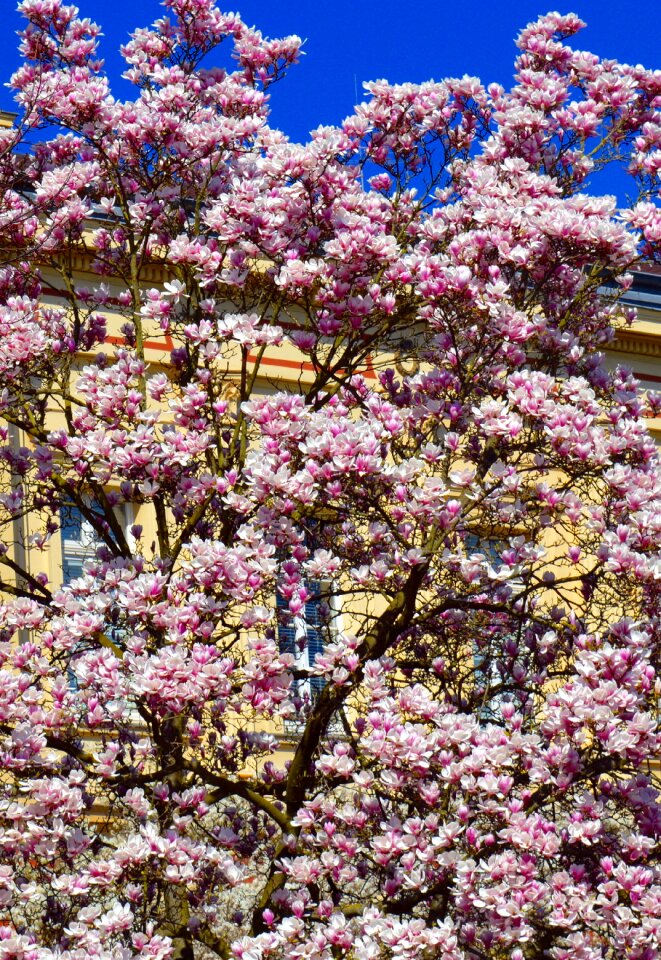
<point x="303" y="636"/>
<point x="486" y="674"/>
<point x="79" y="542"/>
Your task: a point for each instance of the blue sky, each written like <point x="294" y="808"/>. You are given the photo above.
<point x="349" y="41"/>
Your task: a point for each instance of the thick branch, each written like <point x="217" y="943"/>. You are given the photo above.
<point x="234" y="788"/>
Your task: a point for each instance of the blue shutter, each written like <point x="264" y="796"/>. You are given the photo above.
<point x="314" y="623"/>
<point x="286" y="629"/>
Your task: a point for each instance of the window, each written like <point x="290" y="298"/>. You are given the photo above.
<point x="79" y="539"/>
<point x="486" y="675"/>
<point x="79" y="542"/>
<point x="303" y="636"/>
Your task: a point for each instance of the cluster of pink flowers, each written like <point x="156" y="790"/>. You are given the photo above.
<point x="386" y="681"/>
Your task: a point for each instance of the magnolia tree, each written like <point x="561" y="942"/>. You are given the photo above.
<point x="458" y="489"/>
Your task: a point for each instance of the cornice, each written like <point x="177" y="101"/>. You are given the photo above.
<point x="643" y="344"/>
<point x="81" y="261"/>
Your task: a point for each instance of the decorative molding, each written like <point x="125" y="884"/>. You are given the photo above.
<point x="80" y="261"/>
<point x="643" y="344"/>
